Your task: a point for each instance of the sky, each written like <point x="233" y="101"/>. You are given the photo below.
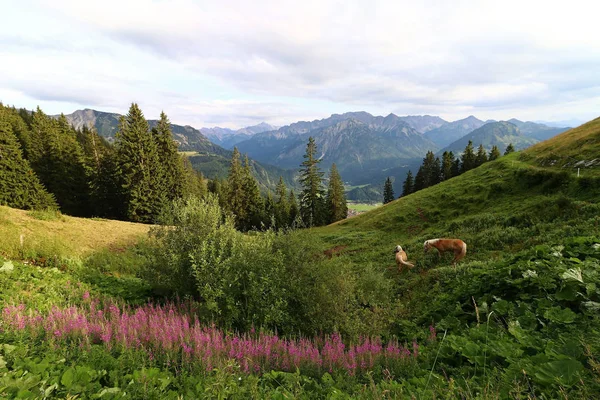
<point x="237" y="63"/>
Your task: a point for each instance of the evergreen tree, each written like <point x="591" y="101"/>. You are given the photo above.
<point x="138" y="167"/>
<point x="294" y="211"/>
<point x="195" y="185"/>
<point x="435" y="174"/>
<point x="236" y="196"/>
<point x="419" y="180"/>
<point x="312" y="195"/>
<point x="388" y="191"/>
<point x="255" y="207"/>
<point x="408" y="185"/>
<point x="172" y="174"/>
<point x="468" y="159"/>
<point x="269" y="218"/>
<point x="456" y="167"/>
<point x="509" y="149"/>
<point x="447" y="160"/>
<point x="481" y="157"/>
<point x="494" y="153"/>
<point x="282" y="206"/>
<point x="19" y="185"/>
<point x="337" y="206"/>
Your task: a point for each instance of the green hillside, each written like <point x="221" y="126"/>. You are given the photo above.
<point x="499" y="134"/>
<point x="324" y="312"/>
<point x="578" y="147"/>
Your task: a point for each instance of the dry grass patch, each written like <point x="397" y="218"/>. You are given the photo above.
<point x="47" y="233"/>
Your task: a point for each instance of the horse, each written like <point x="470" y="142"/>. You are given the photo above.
<point x="457" y="246"/>
<point x="401" y="259"/>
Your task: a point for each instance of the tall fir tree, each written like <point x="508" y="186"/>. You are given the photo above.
<point x="236" y="196"/>
<point x="282" y="206"/>
<point x="172" y="174"/>
<point x="447" y="160"/>
<point x="337" y="206"/>
<point x="294" y="210"/>
<point x="456" y="167"/>
<point x="388" y="191"/>
<point x="468" y="158"/>
<point x="509" y="149"/>
<point x="138" y="167"/>
<point x="312" y="197"/>
<point x="255" y="207"/>
<point x="481" y="156"/>
<point x="408" y="186"/>
<point x="494" y="153"/>
<point x="420" y="182"/>
<point x="19" y="185"/>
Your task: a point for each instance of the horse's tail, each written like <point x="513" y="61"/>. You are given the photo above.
<point x="406" y="263"/>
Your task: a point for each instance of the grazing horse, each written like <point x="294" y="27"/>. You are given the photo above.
<point x="401" y="259"/>
<point x="457" y="246"/>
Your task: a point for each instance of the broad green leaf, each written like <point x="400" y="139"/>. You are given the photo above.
<point x="573" y="274"/>
<point x="561" y="315"/>
<point x="562" y="372"/>
<point x="591" y="305"/>
<point x="68" y="377"/>
<point x="7" y="266"/>
<point x="2" y="362"/>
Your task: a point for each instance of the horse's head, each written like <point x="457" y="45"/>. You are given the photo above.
<point x="426" y="246"/>
<point x="398" y="249"/>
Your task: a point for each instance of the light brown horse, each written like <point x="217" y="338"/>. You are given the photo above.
<point x="401" y="259"/>
<point x="457" y="246"/>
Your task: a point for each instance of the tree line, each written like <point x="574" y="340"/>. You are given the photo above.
<point x="433" y="170"/>
<point x="46" y="163"/>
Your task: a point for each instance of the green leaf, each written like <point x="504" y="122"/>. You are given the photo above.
<point x="573" y="274"/>
<point x="7" y="266"/>
<point x="561" y="315"/>
<point x="562" y="372"/>
<point x="68" y="377"/>
<point x="2" y="362"/>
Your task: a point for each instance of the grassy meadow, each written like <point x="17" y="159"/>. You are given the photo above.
<point x="199" y="310"/>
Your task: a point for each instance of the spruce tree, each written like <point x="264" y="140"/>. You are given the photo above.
<point x="388" y="191"/>
<point x="294" y="211"/>
<point x="236" y="196"/>
<point x="481" y="157"/>
<point x="468" y="159"/>
<point x="509" y="149"/>
<point x="282" y="206"/>
<point x="408" y="185"/>
<point x="254" y="203"/>
<point x="19" y="185"/>
<point x="172" y="175"/>
<point x="312" y="195"/>
<point x="138" y="167"/>
<point x="337" y="206"/>
<point x="447" y="160"/>
<point x="494" y="153"/>
<point x="456" y="167"/>
<point x="420" y="182"/>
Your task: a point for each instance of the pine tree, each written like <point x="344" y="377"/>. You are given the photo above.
<point x="388" y="191"/>
<point x="312" y="195"/>
<point x="456" y="167"/>
<point x="138" y="167"/>
<point x="294" y="211"/>
<point x="268" y="216"/>
<point x="236" y="197"/>
<point x="420" y="182"/>
<point x="172" y="176"/>
<point x="509" y="149"/>
<point x="494" y="153"/>
<point x="337" y="206"/>
<point x="468" y="160"/>
<point x="408" y="185"/>
<point x="195" y="185"/>
<point x="19" y="185"/>
<point x="447" y="160"/>
<point x="282" y="206"/>
<point x="481" y="157"/>
<point x="255" y="207"/>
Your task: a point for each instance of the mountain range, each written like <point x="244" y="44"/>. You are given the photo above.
<point x="365" y="148"/>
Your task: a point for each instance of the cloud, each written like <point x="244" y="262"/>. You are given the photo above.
<point x="274" y="60"/>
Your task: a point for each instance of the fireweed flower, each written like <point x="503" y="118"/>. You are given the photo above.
<point x="166" y="335"/>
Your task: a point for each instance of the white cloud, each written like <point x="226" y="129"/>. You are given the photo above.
<point x="233" y="62"/>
